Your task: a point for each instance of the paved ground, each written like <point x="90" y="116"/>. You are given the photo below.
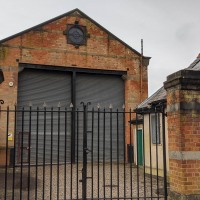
<point x="141" y="185"/>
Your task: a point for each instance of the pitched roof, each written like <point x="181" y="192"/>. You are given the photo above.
<point x="195" y="65"/>
<point x="157" y="96"/>
<point x="161" y="93"/>
<point x="76" y="12"/>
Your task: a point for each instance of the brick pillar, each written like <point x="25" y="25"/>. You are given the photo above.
<point x="183" y="113"/>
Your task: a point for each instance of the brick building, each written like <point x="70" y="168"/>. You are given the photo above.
<point x="180" y="99"/>
<point x="156" y="100"/>
<point x="70" y="59"/>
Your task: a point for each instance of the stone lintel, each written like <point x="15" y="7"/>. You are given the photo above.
<point x="184" y="155"/>
<point x="177" y="196"/>
<point x="184" y="106"/>
<point x="185" y="79"/>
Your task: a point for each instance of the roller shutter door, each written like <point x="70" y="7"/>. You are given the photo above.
<point x="53" y="88"/>
<point x="103" y="90"/>
<point x="39" y="87"/>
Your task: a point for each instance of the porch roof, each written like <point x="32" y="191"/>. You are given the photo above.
<point x="195" y="65"/>
<point x="160" y="94"/>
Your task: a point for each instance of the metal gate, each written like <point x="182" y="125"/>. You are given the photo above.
<point x="124" y="161"/>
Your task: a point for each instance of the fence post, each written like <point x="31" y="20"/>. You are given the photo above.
<point x="85" y="152"/>
<point x="183" y="114"/>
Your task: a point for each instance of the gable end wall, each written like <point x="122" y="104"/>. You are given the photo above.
<point x="47" y="45"/>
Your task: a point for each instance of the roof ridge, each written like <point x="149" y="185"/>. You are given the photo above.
<point x="68" y="13"/>
<point x="38" y="25"/>
<point x="194" y="63"/>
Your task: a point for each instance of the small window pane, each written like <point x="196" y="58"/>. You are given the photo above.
<point x="155" y="128"/>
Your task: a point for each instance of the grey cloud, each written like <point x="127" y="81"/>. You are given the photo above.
<point x="170" y="29"/>
<point x="185" y="32"/>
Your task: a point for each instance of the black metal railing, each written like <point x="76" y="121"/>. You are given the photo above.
<point x="63" y="153"/>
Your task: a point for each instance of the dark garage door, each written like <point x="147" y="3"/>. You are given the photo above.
<point x="105" y="90"/>
<point x="102" y="89"/>
<point x="38" y="87"/>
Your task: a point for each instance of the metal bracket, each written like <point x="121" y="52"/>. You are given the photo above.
<point x="85" y="105"/>
<point x="87" y="150"/>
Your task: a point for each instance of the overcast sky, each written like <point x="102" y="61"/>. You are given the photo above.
<point x="170" y="29"/>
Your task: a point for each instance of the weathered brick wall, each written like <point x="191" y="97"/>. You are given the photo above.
<point x="183" y="105"/>
<point x="47" y="45"/>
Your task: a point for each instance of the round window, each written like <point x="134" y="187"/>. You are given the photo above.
<point x="76" y="35"/>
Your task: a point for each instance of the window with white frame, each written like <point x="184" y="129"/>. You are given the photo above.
<point x="155" y="128"/>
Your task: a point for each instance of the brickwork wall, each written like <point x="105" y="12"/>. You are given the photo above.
<point x="47" y="45"/>
<point x="183" y="105"/>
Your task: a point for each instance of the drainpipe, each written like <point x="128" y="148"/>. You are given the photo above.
<point x="141" y="71"/>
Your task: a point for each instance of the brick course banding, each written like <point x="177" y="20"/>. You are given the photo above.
<point x="183" y="115"/>
<point x="184" y="155"/>
<point x="45" y="44"/>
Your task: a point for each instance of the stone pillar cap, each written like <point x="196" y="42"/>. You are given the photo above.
<point x="186" y="79"/>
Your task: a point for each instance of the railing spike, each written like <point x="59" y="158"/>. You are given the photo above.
<point x="44" y="105"/>
<point x="71" y="105"/>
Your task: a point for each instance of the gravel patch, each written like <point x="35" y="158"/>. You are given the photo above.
<point x="65" y="182"/>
